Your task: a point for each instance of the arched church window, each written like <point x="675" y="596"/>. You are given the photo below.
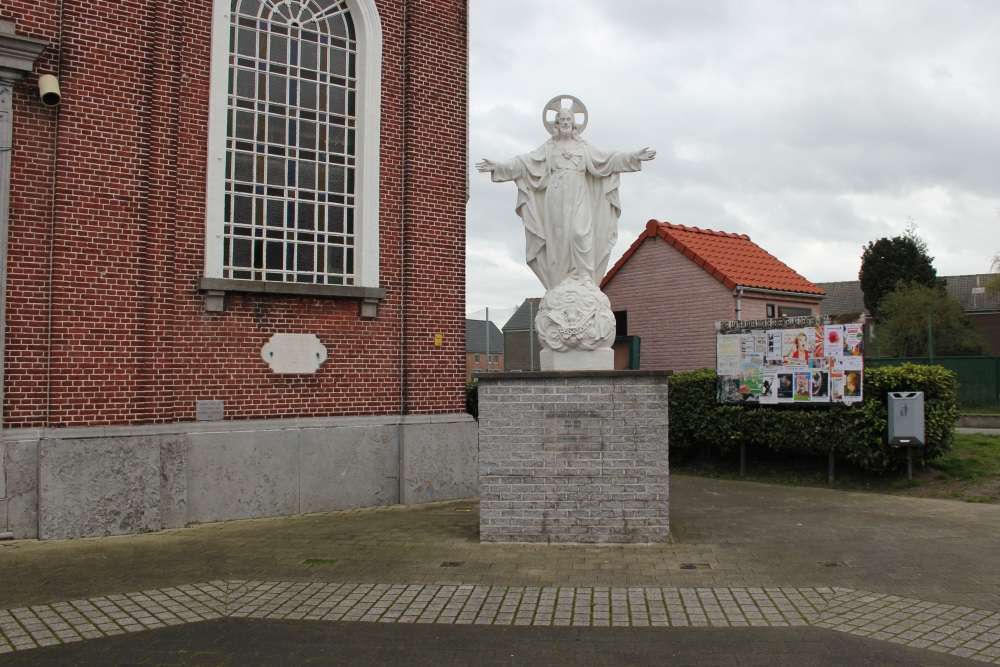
<point x="292" y="190"/>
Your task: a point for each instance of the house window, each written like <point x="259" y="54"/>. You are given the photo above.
<point x="293" y="158"/>
<point x="792" y="311"/>
<point x="770" y="310"/>
<point x="621" y="323"/>
<point x="475" y="358"/>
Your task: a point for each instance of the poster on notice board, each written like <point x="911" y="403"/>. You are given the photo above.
<point x="790" y="360"/>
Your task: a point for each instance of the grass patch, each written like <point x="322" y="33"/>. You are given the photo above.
<point x="974" y="457"/>
<point x="978" y="410"/>
<point x="970" y="473"/>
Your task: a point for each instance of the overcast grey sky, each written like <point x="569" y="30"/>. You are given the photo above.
<point x="813" y="127"/>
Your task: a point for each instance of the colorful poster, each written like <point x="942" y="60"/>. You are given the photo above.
<point x="854" y="339"/>
<point x="727" y="354"/>
<point x="814" y="360"/>
<point x="751" y="364"/>
<point x="834" y="340"/>
<point x="727" y="389"/>
<point x="769" y="388"/>
<point x="786" y="387"/>
<point x="797" y="345"/>
<point x="803" y="386"/>
<point x="821" y="386"/>
<point x="852" y="386"/>
<point x="837" y="386"/>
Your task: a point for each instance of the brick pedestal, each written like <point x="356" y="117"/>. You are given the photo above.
<point x="574" y="457"/>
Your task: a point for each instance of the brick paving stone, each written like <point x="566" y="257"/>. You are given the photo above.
<point x="737" y="533"/>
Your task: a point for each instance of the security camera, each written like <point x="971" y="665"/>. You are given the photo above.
<point x="48" y="90"/>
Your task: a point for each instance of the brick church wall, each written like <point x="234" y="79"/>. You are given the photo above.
<point x="105" y="322"/>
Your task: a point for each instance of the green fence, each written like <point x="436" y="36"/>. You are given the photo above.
<point x="978" y="377"/>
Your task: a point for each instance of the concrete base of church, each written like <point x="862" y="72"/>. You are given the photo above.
<point x="85" y="482"/>
<point x="573" y="457"/>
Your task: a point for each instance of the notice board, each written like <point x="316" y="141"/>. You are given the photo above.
<point x="790" y="360"/>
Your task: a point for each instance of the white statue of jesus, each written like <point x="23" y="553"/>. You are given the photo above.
<point x="567" y="197"/>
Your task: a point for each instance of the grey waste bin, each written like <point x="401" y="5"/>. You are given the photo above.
<point x="906" y="418"/>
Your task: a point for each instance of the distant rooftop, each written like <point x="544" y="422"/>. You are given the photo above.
<point x="475" y="337"/>
<point x="521" y="319"/>
<point x="842" y="298"/>
<point x="969" y="290"/>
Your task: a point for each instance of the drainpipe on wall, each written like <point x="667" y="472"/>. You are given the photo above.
<point x="739" y="303"/>
<point x="404" y="329"/>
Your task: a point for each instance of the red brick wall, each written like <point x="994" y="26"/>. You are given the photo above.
<point x="130" y="339"/>
<point x="673" y="305"/>
<point x="31" y="200"/>
<point x="435" y="195"/>
<point x="472" y="366"/>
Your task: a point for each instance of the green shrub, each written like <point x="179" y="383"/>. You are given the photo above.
<point x="858" y="433"/>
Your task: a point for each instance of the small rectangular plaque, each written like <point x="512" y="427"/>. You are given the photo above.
<point x="572" y="431"/>
<point x="210" y="411"/>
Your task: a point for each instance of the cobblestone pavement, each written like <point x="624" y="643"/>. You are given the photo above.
<point x="755" y="568"/>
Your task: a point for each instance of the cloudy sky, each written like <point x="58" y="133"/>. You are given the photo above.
<point x="813" y="127"/>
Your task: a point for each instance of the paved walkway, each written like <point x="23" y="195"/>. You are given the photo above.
<point x="755" y="574"/>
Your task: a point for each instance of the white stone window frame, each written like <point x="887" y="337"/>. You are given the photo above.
<point x="368" y="29"/>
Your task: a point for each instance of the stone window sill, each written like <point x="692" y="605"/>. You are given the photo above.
<point x="215" y="290"/>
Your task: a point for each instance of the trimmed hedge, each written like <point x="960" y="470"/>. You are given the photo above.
<point x="857" y="433"/>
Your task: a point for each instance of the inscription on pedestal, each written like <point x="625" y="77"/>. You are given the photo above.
<point x="572" y="431"/>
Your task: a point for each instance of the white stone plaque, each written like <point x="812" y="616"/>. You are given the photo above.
<point x="293" y="353"/>
<point x="210" y="411"/>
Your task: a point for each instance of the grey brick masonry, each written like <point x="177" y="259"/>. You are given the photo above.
<point x="574" y="457"/>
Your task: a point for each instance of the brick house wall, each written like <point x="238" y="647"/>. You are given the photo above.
<point x="495" y="365"/>
<point x="988" y="324"/>
<point x="106" y="325"/>
<point x="518" y="346"/>
<point x="673" y="305"/>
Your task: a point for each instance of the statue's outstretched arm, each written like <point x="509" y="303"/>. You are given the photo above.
<point x="645" y="155"/>
<point x="486" y="165"/>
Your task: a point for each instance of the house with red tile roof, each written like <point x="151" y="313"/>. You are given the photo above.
<point x="675" y="282"/>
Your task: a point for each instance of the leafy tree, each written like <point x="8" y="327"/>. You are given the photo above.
<point x="902" y="329"/>
<point x="993" y="286"/>
<point x="890" y="263"/>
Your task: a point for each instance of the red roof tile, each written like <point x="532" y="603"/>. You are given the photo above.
<point x="733" y="259"/>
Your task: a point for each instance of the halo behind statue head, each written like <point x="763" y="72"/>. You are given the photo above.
<point x="557" y="104"/>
